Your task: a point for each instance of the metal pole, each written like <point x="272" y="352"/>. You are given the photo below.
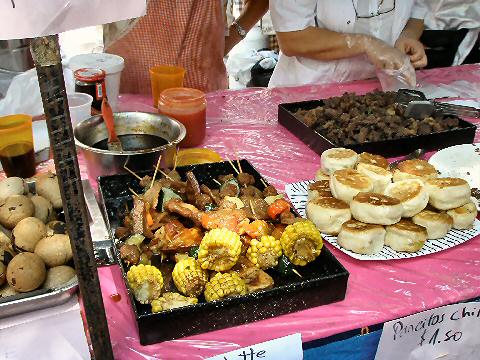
<point x="46" y="54"/>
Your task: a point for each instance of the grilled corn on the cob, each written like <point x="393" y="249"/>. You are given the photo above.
<point x="223" y="285"/>
<point x="146" y="281"/>
<point x="189" y="277"/>
<point x="171" y="300"/>
<point x="301" y="242"/>
<point x="219" y="250"/>
<point x="264" y="252"/>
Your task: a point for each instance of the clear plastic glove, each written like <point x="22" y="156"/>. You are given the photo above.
<point x="395" y="79"/>
<point x="382" y="55"/>
<point x="414" y="49"/>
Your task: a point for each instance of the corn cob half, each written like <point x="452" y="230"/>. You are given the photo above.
<point x="301" y="242"/>
<point x="171" y="300"/>
<point x="223" y="285"/>
<point x="189" y="277"/>
<point x="146" y="281"/>
<point x="265" y="252"/>
<point x="219" y="250"/>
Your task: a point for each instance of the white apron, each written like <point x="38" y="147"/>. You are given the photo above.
<point x="339" y="16"/>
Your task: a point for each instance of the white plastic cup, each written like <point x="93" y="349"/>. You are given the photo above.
<point x="111" y="64"/>
<point x="80" y="106"/>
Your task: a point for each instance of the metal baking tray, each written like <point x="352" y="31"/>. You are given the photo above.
<point x="324" y="280"/>
<point x="464" y="134"/>
<point x="44" y="298"/>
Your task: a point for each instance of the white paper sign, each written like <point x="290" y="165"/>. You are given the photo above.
<point x="448" y="332"/>
<point x="33" y="18"/>
<point x="285" y="348"/>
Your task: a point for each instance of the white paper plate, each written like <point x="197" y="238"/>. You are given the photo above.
<point x="297" y="192"/>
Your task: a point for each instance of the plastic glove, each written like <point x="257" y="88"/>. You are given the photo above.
<point x="382" y="55"/>
<point x="414" y="49"/>
<point x="395" y="79"/>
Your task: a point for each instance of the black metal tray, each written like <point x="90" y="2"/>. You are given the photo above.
<point x="464" y="134"/>
<point x="324" y="281"/>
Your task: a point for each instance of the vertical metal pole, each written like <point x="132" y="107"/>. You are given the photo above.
<point x="46" y="54"/>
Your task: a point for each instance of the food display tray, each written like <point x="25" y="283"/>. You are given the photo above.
<point x="323" y="281"/>
<point x="464" y="134"/>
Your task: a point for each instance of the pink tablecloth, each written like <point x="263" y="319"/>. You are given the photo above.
<point x="244" y="122"/>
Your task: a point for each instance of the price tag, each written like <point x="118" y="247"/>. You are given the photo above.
<point x="448" y="332"/>
<point x="285" y="348"/>
<point x="32" y="18"/>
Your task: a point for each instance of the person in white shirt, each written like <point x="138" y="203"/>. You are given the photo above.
<point x="325" y="41"/>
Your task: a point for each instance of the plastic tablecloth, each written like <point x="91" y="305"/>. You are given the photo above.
<point x="244" y="124"/>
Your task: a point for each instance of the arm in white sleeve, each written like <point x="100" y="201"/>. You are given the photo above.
<point x="292" y="15"/>
<point x="419" y="10"/>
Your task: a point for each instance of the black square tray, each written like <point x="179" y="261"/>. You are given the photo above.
<point x="324" y="280"/>
<point x="464" y="134"/>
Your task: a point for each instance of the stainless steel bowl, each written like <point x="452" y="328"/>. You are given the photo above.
<point x="105" y="162"/>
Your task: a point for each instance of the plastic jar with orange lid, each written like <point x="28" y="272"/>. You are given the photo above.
<point x="189" y="107"/>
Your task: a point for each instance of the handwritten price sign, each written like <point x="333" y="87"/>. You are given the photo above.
<point x="32" y="18"/>
<point x="449" y="332"/>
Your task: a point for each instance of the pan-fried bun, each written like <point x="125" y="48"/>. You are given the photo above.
<point x="321" y="175"/>
<point x="319" y="189"/>
<point x="405" y="236"/>
<point x="328" y="214"/>
<point x="448" y="193"/>
<point x="463" y="216"/>
<point x="361" y="238"/>
<point x="379" y="176"/>
<point x="412" y="193"/>
<point x="337" y="159"/>
<point x="377" y="160"/>
<point x="437" y="224"/>
<point x="414" y="169"/>
<point x="346" y="183"/>
<point x="373" y="208"/>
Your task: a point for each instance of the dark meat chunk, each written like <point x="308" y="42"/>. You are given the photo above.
<point x="214" y="194"/>
<point x="227" y="204"/>
<point x="130" y="254"/>
<point x="251" y="191"/>
<point x="269" y="191"/>
<point x="287" y="218"/>
<point x="122" y="232"/>
<point x="257" y="208"/>
<point x="245" y="179"/>
<point x="186" y="210"/>
<point x="228" y="190"/>
<point x="202" y="200"/>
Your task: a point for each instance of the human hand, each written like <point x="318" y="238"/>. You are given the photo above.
<point x="382" y="55"/>
<point x="413" y="49"/>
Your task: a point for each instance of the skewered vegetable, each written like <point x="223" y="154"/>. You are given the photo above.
<point x="258" y="228"/>
<point x="224" y="285"/>
<point x="167" y="195"/>
<point x="146" y="281"/>
<point x="230" y="188"/>
<point x="278" y="207"/>
<point x="219" y="250"/>
<point x="301" y="242"/>
<point x="171" y="300"/>
<point x="136" y="239"/>
<point x="272" y="198"/>
<point x="189" y="277"/>
<point x="264" y="253"/>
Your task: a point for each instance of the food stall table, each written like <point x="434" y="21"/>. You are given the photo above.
<point x="244" y="123"/>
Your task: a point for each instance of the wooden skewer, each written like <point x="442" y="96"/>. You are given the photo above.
<point x="175" y="159"/>
<point x="263" y="182"/>
<point x="166" y="175"/>
<point x="134" y="193"/>
<point x="238" y="160"/>
<point x="218" y="182"/>
<point x="231" y="163"/>
<point x="156" y="169"/>
<point x="251" y="208"/>
<point x="297" y="273"/>
<point x="131" y="172"/>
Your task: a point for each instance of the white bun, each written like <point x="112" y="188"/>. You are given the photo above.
<point x="448" y="193"/>
<point x="337" y="159"/>
<point x="328" y="214"/>
<point x="318" y="189"/>
<point x="437" y="224"/>
<point x="377" y="160"/>
<point x="405" y="236"/>
<point x="414" y="169"/>
<point x="361" y="238"/>
<point x="346" y="183"/>
<point x="380" y="177"/>
<point x="375" y="208"/>
<point x="463" y="216"/>
<point x="320" y="175"/>
<point x="412" y="193"/>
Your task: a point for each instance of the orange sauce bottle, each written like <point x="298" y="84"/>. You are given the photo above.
<point x="189" y="107"/>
